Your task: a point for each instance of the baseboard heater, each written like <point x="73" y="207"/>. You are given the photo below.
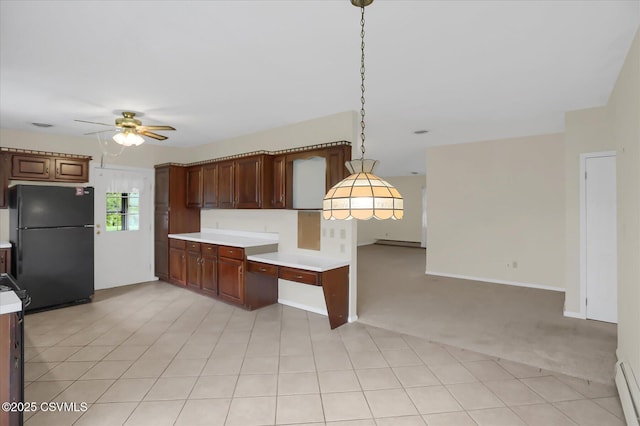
<point x="629" y="393"/>
<point x="398" y="243"/>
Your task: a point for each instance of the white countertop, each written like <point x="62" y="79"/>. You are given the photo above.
<point x="229" y="238"/>
<point x="5" y="244"/>
<point x="300" y="261"/>
<point x="9" y="302"/>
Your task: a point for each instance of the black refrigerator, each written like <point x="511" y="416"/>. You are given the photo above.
<point x="51" y="233"/>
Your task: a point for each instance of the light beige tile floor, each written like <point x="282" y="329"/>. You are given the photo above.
<point x="156" y="354"/>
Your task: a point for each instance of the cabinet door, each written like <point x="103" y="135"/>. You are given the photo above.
<point x="231" y="279"/>
<point x="210" y="186"/>
<point x="5" y="260"/>
<point x="29" y="167"/>
<point x="162" y="189"/>
<point x="194" y="269"/>
<point x="161" y="259"/>
<point x="226" y="177"/>
<point x="279" y="182"/>
<point x="5" y="169"/>
<point x="177" y="266"/>
<point x="336" y="170"/>
<point x="210" y="275"/>
<point x="194" y="186"/>
<point x="248" y="183"/>
<point x="71" y="170"/>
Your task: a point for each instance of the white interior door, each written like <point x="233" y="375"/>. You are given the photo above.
<point x="601" y="239"/>
<point x="123" y="253"/>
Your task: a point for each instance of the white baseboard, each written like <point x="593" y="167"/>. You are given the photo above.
<point x="629" y="393"/>
<point x="303" y="307"/>
<point x="571" y="314"/>
<point x="353" y="318"/>
<point x="494" y="281"/>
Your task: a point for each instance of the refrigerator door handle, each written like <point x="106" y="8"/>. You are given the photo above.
<point x="89" y="226"/>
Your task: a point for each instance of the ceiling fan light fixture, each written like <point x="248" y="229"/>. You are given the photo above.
<point x="362" y="195"/>
<point x="128" y="138"/>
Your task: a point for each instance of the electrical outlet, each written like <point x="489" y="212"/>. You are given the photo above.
<point x="324" y="232"/>
<point x="217" y="225"/>
<point x="341" y="248"/>
<point x="332" y="233"/>
<point x="514" y="264"/>
<point x="343" y="234"/>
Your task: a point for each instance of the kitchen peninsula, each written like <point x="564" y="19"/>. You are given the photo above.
<point x="243" y="268"/>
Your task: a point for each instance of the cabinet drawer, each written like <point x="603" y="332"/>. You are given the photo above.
<point x="179" y="244"/>
<point x="299" y="275"/>
<point x="262" y="268"/>
<point x="209" y="249"/>
<point x="232" y="252"/>
<point x="193" y="247"/>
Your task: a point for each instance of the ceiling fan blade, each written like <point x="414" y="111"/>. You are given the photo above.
<point x="101" y="131"/>
<point x="152" y="135"/>
<point x="145" y="128"/>
<point x="93" y="122"/>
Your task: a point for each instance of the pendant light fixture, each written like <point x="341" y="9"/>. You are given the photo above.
<point x="362" y="195"/>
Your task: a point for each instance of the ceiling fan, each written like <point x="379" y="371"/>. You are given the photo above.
<point x="132" y="130"/>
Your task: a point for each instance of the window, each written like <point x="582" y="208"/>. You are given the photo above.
<point x="123" y="211"/>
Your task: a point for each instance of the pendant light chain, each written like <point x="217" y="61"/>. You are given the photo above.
<point x="362" y="195"/>
<point x="362" y="112"/>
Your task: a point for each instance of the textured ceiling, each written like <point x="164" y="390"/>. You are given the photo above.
<point x="465" y="70"/>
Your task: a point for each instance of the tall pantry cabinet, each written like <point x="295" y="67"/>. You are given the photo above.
<point x="171" y="213"/>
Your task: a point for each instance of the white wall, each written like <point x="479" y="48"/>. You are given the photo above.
<point x="494" y="203"/>
<point x="624" y="115"/>
<point x="332" y="128"/>
<point x="407" y="229"/>
<point x="586" y="130"/>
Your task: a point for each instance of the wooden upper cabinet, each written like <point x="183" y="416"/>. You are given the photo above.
<point x="194" y="186"/>
<point x="254" y="182"/>
<point x="210" y="186"/>
<point x="48" y="167"/>
<point x="280" y="182"/>
<point x="71" y="170"/>
<point x="29" y="167"/>
<point x="336" y="170"/>
<point x="226" y="192"/>
<point x="162" y="189"/>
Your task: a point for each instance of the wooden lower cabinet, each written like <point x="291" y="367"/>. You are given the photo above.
<point x="261" y="285"/>
<point x="5" y="260"/>
<point x="194" y="264"/>
<point x="224" y="272"/>
<point x="209" y="269"/>
<point x="194" y="269"/>
<point x="10" y="367"/>
<point x="231" y="279"/>
<point x="177" y="262"/>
